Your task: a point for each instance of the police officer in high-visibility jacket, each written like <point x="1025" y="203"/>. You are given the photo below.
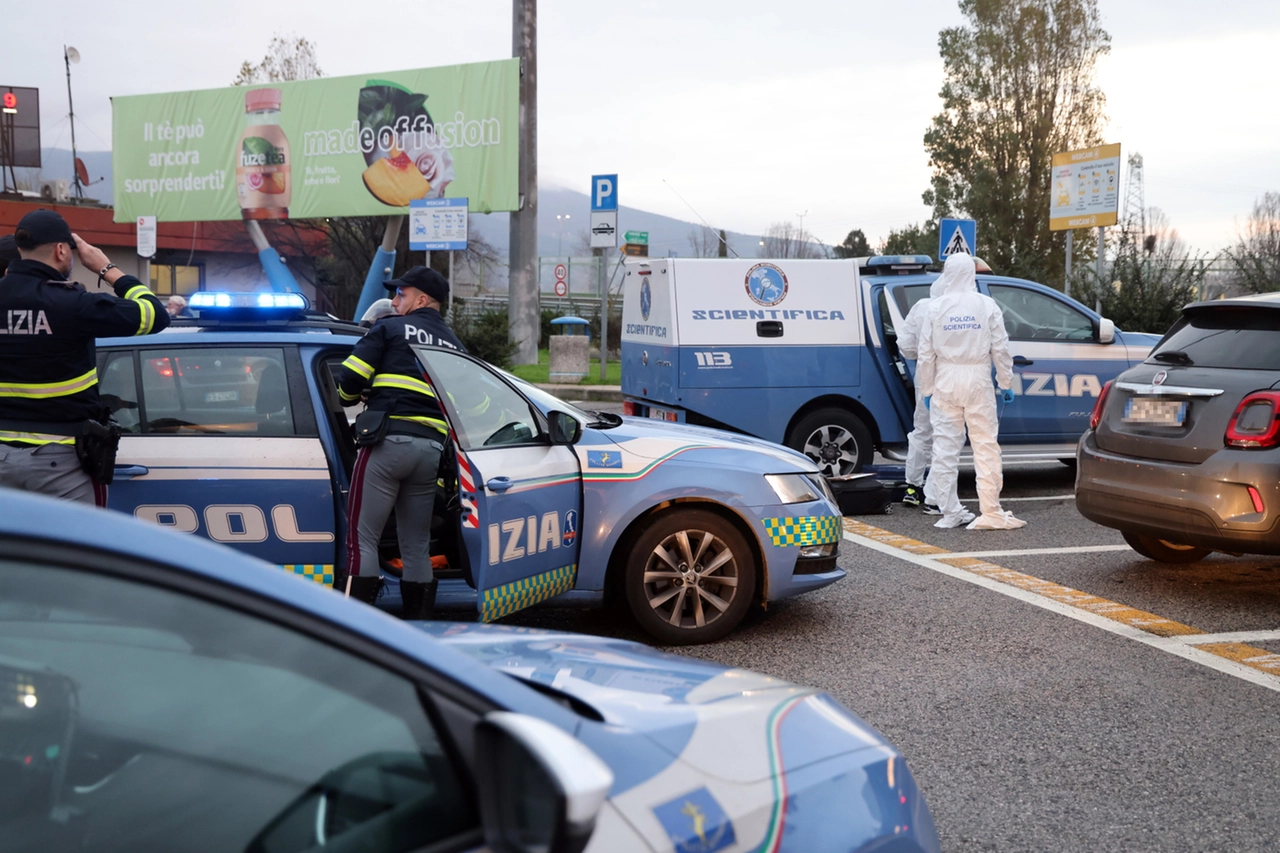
<point x="48" y="362"/>
<point x="400" y="471"/>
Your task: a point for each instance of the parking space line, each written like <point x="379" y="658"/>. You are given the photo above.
<point x="1035" y="498"/>
<point x="1035" y="552"/>
<point x="1235" y="637"/>
<point x="1247" y="663"/>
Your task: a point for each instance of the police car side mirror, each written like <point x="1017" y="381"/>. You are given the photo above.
<point x="1106" y="331"/>
<point x="565" y="428"/>
<point x="539" y="788"/>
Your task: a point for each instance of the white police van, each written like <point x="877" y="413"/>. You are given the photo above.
<point x="233" y="431"/>
<point x="804" y="353"/>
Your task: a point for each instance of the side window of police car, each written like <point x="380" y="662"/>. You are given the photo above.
<point x="1029" y="315"/>
<point x="484" y="410"/>
<point x="147" y="719"/>
<point x="118" y="388"/>
<point x="216" y="390"/>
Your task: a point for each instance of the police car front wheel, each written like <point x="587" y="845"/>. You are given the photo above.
<point x="690" y="578"/>
<point x="835" y="439"/>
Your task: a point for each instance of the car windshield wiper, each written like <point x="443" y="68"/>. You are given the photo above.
<point x="1175" y="355"/>
<point x="604" y="420"/>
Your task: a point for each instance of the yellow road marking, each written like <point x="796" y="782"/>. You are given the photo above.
<point x="1251" y="656"/>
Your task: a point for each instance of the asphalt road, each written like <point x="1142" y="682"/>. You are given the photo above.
<point x="1069" y="696"/>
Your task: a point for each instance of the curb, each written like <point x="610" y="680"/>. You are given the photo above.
<point x="601" y="393"/>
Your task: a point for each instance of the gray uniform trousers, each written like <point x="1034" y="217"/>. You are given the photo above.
<point x="400" y="474"/>
<point x="50" y="469"/>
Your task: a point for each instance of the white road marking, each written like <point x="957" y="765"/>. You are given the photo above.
<point x="1028" y="552"/>
<point x="1039" y="498"/>
<point x="1230" y="637"/>
<point x="1174" y="646"/>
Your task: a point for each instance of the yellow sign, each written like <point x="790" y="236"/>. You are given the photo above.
<point x="1085" y="190"/>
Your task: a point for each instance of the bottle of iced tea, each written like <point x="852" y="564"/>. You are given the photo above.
<point x="263" y="183"/>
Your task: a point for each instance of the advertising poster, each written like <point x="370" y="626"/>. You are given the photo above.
<point x="366" y="145"/>
<point x="1085" y="192"/>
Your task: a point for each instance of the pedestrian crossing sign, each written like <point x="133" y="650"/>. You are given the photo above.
<point x="957" y="237"/>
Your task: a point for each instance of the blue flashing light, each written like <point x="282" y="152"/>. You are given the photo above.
<point x="244" y="305"/>
<point x="899" y="260"/>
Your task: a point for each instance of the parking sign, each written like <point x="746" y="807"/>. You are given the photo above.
<point x="604" y="192"/>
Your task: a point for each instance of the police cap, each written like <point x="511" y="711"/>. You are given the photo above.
<point x="425" y="279"/>
<point x="40" y="227"/>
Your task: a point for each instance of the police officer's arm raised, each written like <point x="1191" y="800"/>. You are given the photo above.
<point x="134" y="310"/>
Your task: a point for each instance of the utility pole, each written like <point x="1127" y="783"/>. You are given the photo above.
<point x="70" y="55"/>
<point x="522" y="307"/>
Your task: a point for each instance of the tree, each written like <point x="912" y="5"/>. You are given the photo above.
<point x="855" y="245"/>
<point x="705" y="242"/>
<point x="1255" y="259"/>
<point x="1018" y="88"/>
<point x="292" y="58"/>
<point x="914" y="239"/>
<point x="784" y="240"/>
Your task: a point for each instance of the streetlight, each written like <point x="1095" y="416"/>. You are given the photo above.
<point x="559" y="218"/>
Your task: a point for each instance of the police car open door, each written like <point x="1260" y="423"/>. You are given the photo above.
<point x="520" y="494"/>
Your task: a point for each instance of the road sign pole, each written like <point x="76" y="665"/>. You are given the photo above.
<point x="602" y="287"/>
<point x="1066" y="281"/>
<point x="1102" y="255"/>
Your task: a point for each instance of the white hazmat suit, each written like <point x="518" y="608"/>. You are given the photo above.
<point x="920" y="439"/>
<point x="961" y="338"/>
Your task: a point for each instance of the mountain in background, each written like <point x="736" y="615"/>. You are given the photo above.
<point x="566" y="237"/>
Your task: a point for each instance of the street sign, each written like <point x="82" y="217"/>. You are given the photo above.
<point x="636" y="250"/>
<point x="561" y="287"/>
<point x="604" y="229"/>
<point x="562" y="272"/>
<point x="146" y="236"/>
<point x="604" y="193"/>
<point x="438" y="224"/>
<point x="1086" y="188"/>
<point x="957" y="237"/>
<point x="637" y="237"/>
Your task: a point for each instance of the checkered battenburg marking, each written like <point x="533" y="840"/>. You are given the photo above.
<point x="520" y="594"/>
<point x="319" y="574"/>
<point x="810" y="530"/>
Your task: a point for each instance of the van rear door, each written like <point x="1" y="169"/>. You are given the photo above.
<point x="649" y="363"/>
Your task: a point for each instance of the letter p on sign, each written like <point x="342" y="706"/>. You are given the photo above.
<point x="604" y="192"/>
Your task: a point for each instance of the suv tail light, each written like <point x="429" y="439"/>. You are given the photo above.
<point x="628" y="408"/>
<point x="1256" y="422"/>
<point x="1096" y="415"/>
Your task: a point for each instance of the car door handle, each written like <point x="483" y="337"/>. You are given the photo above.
<point x="1021" y="361"/>
<point x="127" y="472"/>
<point x="499" y="484"/>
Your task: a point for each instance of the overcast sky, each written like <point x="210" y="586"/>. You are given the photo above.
<point x="753" y="111"/>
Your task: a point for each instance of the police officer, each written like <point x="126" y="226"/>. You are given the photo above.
<point x="400" y="472"/>
<point x="8" y="252"/>
<point x="48" y="362"/>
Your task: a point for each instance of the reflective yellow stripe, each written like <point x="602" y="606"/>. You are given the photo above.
<point x="355" y="365"/>
<point x="147" y="311"/>
<point x="404" y="383"/>
<point x="477" y="410"/>
<point x="434" y="423"/>
<point x="343" y="395"/>
<point x="35" y="438"/>
<point x="136" y="291"/>
<point x="42" y="390"/>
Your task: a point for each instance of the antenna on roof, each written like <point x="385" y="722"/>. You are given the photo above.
<point x="699" y="215"/>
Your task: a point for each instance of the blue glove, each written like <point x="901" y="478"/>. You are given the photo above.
<point x="926" y="401"/>
<point x="1006" y="394"/>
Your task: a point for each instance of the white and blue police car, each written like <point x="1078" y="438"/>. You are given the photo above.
<point x="804" y="353"/>
<point x="233" y="431"/>
<point x="159" y="692"/>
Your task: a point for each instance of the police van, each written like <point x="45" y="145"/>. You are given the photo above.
<point x="233" y="431"/>
<point x="804" y="353"/>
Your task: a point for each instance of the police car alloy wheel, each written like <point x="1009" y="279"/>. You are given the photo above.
<point x="835" y="439"/>
<point x="690" y="578"/>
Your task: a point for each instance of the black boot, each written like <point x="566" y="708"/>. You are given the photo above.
<point x="363" y="588"/>
<point x="419" y="599"/>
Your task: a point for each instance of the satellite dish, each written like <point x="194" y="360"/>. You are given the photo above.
<point x="82" y="173"/>
<point x="73" y="55"/>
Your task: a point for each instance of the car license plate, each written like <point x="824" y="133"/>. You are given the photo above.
<point x="662" y="414"/>
<point x="1153" y="412"/>
<point x="221" y="396"/>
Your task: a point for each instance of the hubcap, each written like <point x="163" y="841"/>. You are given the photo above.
<point x="691" y="578"/>
<point x="834" y="449"/>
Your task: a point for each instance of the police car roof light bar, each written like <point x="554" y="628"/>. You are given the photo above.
<point x="248" y="305"/>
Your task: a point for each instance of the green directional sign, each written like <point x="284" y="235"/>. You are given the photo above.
<point x="640" y="237"/>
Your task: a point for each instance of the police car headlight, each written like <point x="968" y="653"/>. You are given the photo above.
<point x="822" y="484"/>
<point x="793" y="488"/>
<point x="818" y="550"/>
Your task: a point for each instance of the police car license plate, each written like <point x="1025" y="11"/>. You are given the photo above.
<point x="1145" y="410"/>
<point x="221" y="396"/>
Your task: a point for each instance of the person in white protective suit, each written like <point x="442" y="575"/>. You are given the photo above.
<point x="961" y="338"/>
<point x="920" y="439"/>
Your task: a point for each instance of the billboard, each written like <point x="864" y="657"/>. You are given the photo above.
<point x="1085" y="191"/>
<point x="19" y="127"/>
<point x="337" y="146"/>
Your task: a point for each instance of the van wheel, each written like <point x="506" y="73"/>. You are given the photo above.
<point x="690" y="577"/>
<point x="833" y="438"/>
<point x="1164" y="551"/>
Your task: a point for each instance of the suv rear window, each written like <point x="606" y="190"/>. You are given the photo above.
<point x="1244" y="338"/>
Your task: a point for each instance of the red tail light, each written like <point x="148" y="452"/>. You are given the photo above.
<point x="1096" y="415"/>
<point x="628" y="408"/>
<point x="1256" y="422"/>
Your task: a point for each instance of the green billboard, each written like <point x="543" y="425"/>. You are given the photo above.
<point x="337" y="146"/>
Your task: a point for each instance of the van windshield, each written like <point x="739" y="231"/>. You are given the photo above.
<point x="1241" y="337"/>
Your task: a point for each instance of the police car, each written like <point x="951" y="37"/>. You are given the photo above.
<point x="804" y="353"/>
<point x="165" y="693"/>
<point x="233" y="431"/>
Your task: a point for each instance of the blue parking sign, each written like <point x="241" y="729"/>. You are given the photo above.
<point x="957" y="237"/>
<point x="604" y="192"/>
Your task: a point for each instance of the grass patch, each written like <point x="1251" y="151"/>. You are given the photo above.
<point x="540" y="373"/>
